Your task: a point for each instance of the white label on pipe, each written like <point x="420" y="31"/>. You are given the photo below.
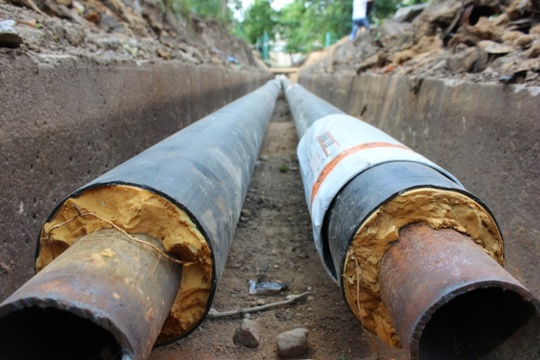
<point x="334" y="150"/>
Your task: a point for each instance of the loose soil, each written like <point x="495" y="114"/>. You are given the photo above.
<point x="477" y="41"/>
<point x="275" y="230"/>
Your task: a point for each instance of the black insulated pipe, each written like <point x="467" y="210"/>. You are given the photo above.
<point x="133" y="259"/>
<point x="418" y="257"/>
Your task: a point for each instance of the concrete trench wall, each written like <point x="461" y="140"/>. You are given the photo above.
<point x="64" y="121"/>
<point x="487" y="135"/>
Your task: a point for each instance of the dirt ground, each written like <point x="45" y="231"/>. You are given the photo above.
<point x="275" y="230"/>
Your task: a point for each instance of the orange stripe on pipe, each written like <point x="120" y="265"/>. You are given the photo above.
<point x="335" y="161"/>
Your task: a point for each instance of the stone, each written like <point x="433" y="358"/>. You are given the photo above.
<point x="247" y="334"/>
<point x="292" y="343"/>
<point x="534" y="50"/>
<point x="246" y="213"/>
<point x="409" y="13"/>
<point x="464" y="60"/>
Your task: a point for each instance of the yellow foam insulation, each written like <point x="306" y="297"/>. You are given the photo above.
<point x="437" y="208"/>
<point x="138" y="211"/>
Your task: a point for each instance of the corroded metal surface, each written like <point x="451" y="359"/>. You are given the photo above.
<point x="449" y="300"/>
<point x="107" y="279"/>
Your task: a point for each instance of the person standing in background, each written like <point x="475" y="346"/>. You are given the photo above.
<point x="359" y="17"/>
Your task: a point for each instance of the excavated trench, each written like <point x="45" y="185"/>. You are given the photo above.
<point x="67" y="121"/>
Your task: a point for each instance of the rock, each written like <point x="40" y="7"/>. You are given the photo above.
<point x="463" y="60"/>
<point x="534" y="50"/>
<point x="428" y="44"/>
<point x="442" y="11"/>
<point x="378" y="59"/>
<point x="409" y="13"/>
<point x="396" y="34"/>
<point x="75" y="36"/>
<point x="29" y="4"/>
<point x="524" y="41"/>
<point x="247" y="334"/>
<point x="491" y="47"/>
<point x="292" y="343"/>
<point x="510" y="36"/>
<point x="484" y="29"/>
<point x="110" y="22"/>
<point x="246" y="213"/>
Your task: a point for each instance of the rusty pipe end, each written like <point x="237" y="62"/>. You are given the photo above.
<point x="105" y="297"/>
<point x="482" y="320"/>
<point x="448" y="299"/>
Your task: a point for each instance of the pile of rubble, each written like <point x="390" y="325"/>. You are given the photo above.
<point x="121" y="30"/>
<point x="476" y="40"/>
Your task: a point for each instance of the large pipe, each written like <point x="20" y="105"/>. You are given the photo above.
<point x="461" y="305"/>
<point x="133" y="258"/>
<point x="103" y="294"/>
<point x="365" y="192"/>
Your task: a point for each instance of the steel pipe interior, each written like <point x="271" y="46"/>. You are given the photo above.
<point x="53" y="334"/>
<point x="461" y="304"/>
<point x="475" y="324"/>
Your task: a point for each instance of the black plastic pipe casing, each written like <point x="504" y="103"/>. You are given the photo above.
<point x="308" y="107"/>
<point x="205" y="168"/>
<point x="366" y="193"/>
<point x="186" y="193"/>
<point x="418" y="258"/>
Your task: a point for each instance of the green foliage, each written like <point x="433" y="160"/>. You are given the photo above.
<point x="258" y="19"/>
<point x="304" y="23"/>
<point x="213" y="9"/>
<point x="293" y="28"/>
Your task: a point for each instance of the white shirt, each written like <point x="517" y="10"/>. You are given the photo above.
<point x="359" y="9"/>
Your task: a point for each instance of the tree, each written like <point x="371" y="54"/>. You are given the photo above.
<point x="259" y="18"/>
<point x="292" y="25"/>
<point x="304" y="23"/>
<point x="213" y="9"/>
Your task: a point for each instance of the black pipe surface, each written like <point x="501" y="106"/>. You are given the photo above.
<point x="308" y="107"/>
<point x="186" y="191"/>
<point x="358" y="199"/>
